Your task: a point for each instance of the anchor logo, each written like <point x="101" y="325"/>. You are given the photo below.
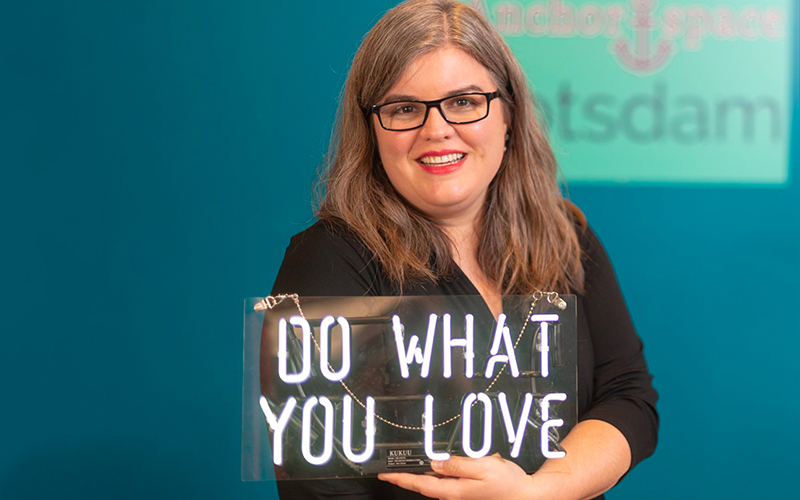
<point x="641" y="60"/>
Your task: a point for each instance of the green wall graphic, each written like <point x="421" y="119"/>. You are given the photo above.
<point x="642" y="91"/>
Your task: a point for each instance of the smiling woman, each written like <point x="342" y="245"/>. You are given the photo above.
<point x="440" y="181"/>
<point x="398" y="61"/>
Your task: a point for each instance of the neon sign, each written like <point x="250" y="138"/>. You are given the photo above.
<point x="413" y="353"/>
<point x="319" y="418"/>
<point x="516" y="434"/>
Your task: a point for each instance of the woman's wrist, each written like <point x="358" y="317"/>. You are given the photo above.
<point x="550" y="485"/>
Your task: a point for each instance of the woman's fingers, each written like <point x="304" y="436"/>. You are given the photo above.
<point x="430" y="486"/>
<point x="466" y="478"/>
<point x="464" y="467"/>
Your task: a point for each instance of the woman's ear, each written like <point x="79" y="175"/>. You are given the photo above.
<point x="507" y="121"/>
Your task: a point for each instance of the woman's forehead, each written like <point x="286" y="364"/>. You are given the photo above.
<point x="439" y="73"/>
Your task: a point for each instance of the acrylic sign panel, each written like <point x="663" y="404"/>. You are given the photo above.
<point x="358" y="386"/>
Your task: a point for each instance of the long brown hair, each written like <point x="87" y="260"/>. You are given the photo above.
<point x="527" y="236"/>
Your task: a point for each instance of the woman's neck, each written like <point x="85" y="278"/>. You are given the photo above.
<point x="465" y="241"/>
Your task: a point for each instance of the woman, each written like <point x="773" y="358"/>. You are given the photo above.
<point x="441" y="181"/>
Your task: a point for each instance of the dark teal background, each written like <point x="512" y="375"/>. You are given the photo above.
<point x="157" y="156"/>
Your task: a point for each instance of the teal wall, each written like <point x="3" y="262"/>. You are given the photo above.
<point x="155" y="159"/>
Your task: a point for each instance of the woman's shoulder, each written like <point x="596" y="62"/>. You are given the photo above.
<point x="327" y="260"/>
<point x="588" y="240"/>
<point x="597" y="267"/>
<point x="323" y="234"/>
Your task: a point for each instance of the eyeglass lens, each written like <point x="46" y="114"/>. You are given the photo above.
<point x="457" y="109"/>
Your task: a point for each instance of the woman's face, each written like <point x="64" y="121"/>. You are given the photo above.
<point x="444" y="170"/>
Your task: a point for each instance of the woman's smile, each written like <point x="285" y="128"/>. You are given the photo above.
<point x="442" y="162"/>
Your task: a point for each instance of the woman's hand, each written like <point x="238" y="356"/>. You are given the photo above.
<point x="466" y="478"/>
<point x="597" y="456"/>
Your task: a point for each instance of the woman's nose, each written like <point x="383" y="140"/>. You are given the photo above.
<point x="435" y="126"/>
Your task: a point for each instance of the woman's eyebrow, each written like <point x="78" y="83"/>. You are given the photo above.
<point x="399" y="97"/>
<point x="464" y="90"/>
<point x="407" y="97"/>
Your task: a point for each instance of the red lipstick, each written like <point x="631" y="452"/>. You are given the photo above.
<point x="441" y="162"/>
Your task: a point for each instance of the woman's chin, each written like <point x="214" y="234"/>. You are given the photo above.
<point x="449" y="208"/>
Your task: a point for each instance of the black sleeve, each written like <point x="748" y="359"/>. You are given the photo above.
<point x="323" y="261"/>
<point x="623" y="392"/>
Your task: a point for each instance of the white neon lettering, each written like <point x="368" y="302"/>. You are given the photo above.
<point x="414" y="353"/>
<point x="544" y="349"/>
<point x="544" y="342"/>
<point x="278" y="425"/>
<point x="466" y="411"/>
<point x="283" y="356"/>
<point x="347" y="431"/>
<point x="545" y="439"/>
<point x="501" y="333"/>
<point x="426" y="363"/>
<point x="404" y="357"/>
<point x="556" y="396"/>
<point x="506" y="413"/>
<point x="467" y="343"/>
<point x="324" y="334"/>
<point x="547" y="423"/>
<point x="517" y="436"/>
<point x="428" y="425"/>
<point x="327" y="448"/>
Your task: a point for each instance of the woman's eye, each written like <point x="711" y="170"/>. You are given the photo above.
<point x="463" y="102"/>
<point x="405" y="109"/>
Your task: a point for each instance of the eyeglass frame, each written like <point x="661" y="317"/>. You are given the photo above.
<point x="436" y="103"/>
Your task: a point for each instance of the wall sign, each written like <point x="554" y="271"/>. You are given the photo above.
<point x="668" y="92"/>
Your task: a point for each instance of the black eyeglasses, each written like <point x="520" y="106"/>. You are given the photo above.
<point x="458" y="110"/>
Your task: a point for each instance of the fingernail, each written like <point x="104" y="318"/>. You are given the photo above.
<point x="436" y="464"/>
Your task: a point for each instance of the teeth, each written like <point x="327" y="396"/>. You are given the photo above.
<point x="442" y="160"/>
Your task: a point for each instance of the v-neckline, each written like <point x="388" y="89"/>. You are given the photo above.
<point x="474" y="291"/>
